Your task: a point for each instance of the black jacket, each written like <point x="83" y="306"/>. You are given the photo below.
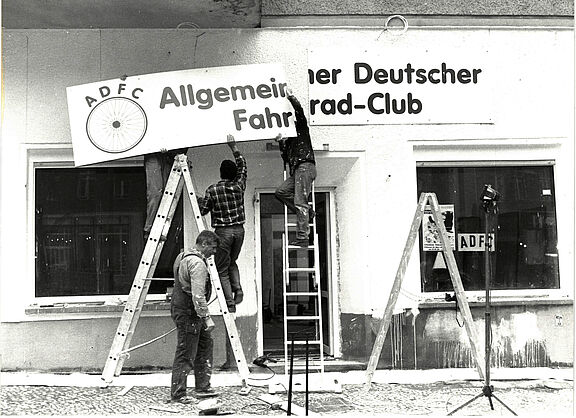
<point x="297" y="150"/>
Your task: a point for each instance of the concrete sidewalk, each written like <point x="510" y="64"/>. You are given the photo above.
<point x="393" y="392"/>
<point x="505" y="376"/>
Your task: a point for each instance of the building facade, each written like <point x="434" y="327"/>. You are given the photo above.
<point x="71" y="238"/>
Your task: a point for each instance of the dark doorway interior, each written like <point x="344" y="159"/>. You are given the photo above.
<point x="271" y="230"/>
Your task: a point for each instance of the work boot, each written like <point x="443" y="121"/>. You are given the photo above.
<point x="227" y="366"/>
<point x="311" y="215"/>
<point x="205" y="393"/>
<point x="238" y="296"/>
<point x="300" y="242"/>
<point x="224" y="367"/>
<point x="183" y="400"/>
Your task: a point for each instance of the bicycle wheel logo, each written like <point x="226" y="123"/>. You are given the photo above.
<point x="116" y="124"/>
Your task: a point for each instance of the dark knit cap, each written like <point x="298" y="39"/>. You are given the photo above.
<point x="228" y="170"/>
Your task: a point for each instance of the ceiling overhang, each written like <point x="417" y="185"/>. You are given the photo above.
<point x="128" y="14"/>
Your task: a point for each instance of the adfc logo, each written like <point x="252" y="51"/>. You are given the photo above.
<point x="116" y="124"/>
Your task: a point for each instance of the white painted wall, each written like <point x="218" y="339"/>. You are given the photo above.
<point x="532" y="108"/>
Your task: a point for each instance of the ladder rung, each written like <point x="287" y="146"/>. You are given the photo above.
<point x="293" y="225"/>
<point x="297" y="247"/>
<point x="304" y="318"/>
<point x="301" y="294"/>
<point x="166" y="279"/>
<point x="300" y="342"/>
<point x="301" y="269"/>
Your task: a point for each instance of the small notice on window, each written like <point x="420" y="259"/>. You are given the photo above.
<point x="430" y="232"/>
<point x="475" y="242"/>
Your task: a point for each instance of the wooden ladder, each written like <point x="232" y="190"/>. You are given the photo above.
<point x="456" y="283"/>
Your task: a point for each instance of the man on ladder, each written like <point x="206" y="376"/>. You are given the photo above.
<point x="225" y="202"/>
<point x="294" y="193"/>
<point x="157" y="166"/>
<point x="297" y="152"/>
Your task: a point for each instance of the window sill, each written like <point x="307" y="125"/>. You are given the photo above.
<point x="91" y="307"/>
<point x="434" y="303"/>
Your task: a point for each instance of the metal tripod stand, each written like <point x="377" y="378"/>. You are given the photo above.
<point x="489" y="198"/>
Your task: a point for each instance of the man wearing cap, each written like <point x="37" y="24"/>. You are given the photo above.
<point x="225" y="202"/>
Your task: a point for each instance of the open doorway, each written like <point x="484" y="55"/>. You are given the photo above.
<point x="271" y="230"/>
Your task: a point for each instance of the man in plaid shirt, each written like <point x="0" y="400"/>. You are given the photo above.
<point x="225" y="202"/>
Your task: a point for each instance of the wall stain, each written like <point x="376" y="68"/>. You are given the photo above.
<point x="516" y="342"/>
<point x="353" y="335"/>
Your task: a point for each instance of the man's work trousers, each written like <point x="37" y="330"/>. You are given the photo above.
<point x="294" y="192"/>
<point x="231" y="240"/>
<point x="157" y="170"/>
<point x="157" y="173"/>
<point x="194" y="350"/>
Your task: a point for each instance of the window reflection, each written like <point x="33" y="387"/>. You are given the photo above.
<point x="525" y="255"/>
<point x="89" y="238"/>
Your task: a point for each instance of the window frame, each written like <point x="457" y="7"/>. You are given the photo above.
<point x="495" y="164"/>
<point x="454" y="154"/>
<point x="61" y="156"/>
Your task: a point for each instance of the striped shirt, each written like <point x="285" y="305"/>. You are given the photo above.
<point x="225" y="199"/>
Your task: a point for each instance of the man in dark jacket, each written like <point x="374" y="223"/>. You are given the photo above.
<point x="189" y="309"/>
<point x="297" y="152"/>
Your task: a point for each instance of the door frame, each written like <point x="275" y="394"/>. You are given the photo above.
<point x="333" y="308"/>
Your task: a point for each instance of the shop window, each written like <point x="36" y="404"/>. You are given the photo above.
<point x="525" y="254"/>
<point x="88" y="227"/>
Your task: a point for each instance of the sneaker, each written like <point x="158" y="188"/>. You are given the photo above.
<point x="238" y="297"/>
<point x="183" y="400"/>
<point x="300" y="242"/>
<point x="205" y="393"/>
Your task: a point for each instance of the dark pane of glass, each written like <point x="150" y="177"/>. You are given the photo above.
<point x="89" y="238"/>
<point x="272" y="229"/>
<point x="525" y="255"/>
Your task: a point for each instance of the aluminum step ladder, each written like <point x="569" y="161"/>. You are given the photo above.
<point x="309" y="291"/>
<point x="179" y="177"/>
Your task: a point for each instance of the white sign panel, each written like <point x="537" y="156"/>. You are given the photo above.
<point x="431" y="233"/>
<point x="121" y="118"/>
<point x="394" y="85"/>
<point x="475" y="242"/>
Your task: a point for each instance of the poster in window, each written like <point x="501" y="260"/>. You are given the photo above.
<point x="431" y="233"/>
